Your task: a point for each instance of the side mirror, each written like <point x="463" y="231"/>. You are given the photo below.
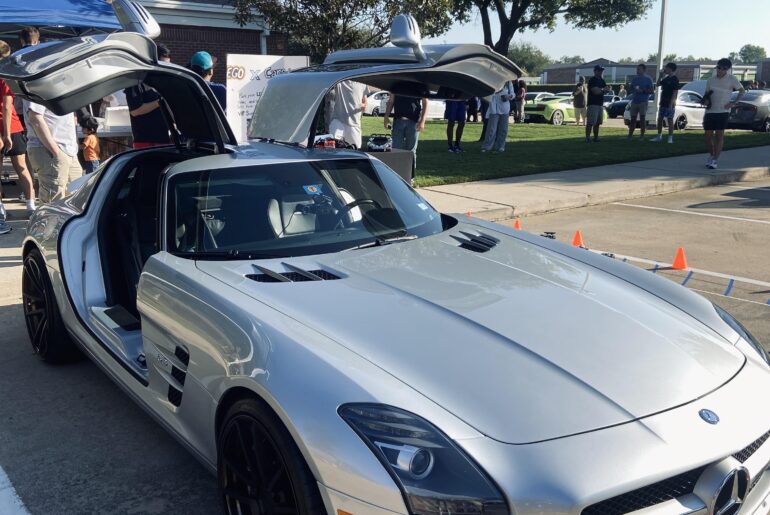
<point x="133" y="17"/>
<point x="405" y="33"/>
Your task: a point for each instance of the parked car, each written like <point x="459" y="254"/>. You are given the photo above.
<point x="374" y="103"/>
<point x="688" y="113"/>
<point x="608" y="99"/>
<point x="752" y="112"/>
<point x="325" y="342"/>
<point x="436" y="108"/>
<point x="618" y="107"/>
<point x="554" y="110"/>
<point x="535" y="96"/>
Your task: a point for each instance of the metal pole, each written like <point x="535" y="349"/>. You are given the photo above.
<point x="660" y="51"/>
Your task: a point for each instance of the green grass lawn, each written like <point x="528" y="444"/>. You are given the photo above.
<point x="538" y="148"/>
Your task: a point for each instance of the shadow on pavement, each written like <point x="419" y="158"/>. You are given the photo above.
<point x="748" y="198"/>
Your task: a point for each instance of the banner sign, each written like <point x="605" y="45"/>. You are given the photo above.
<point x="247" y="76"/>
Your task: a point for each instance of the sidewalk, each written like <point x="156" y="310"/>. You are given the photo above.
<point x="502" y="199"/>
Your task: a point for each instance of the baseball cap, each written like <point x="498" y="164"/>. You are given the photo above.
<point x="598" y="67"/>
<point x="202" y="60"/>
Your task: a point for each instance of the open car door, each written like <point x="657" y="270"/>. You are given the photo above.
<point x="290" y="103"/>
<point x="66" y="75"/>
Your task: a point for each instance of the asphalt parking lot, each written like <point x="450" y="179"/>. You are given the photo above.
<point x="72" y="443"/>
<point x="724" y="230"/>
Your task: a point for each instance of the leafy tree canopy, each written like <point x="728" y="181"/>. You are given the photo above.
<point x="529" y="57"/>
<point x="572" y="59"/>
<point x="319" y="27"/>
<point x="750" y="54"/>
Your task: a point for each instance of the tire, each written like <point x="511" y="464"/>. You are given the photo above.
<point x="681" y="123"/>
<point x="45" y="327"/>
<point x="376" y="111"/>
<point x="557" y="118"/>
<point x="765" y="127"/>
<point x="612" y="114"/>
<point x="255" y="449"/>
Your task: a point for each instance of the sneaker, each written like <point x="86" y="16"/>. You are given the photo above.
<point x="458" y="149"/>
<point x="709" y="159"/>
<point x="30" y="211"/>
<point x="670" y="139"/>
<point x="713" y="164"/>
<point x="656" y="138"/>
<point x="4" y="227"/>
<point x="451" y="150"/>
<point x="588" y="140"/>
<point x="483" y="151"/>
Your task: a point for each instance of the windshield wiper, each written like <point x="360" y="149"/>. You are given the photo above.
<point x="379" y="242"/>
<point x="227" y="255"/>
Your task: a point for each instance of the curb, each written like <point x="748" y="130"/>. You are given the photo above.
<point x="714" y="178"/>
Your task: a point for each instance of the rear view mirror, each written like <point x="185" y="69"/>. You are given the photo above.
<point x="133" y="17"/>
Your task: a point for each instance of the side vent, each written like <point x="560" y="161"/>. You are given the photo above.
<point x="476" y="242"/>
<point x="179" y="373"/>
<point x="296" y="275"/>
<point x="174" y="396"/>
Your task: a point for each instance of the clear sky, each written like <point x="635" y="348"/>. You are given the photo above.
<point x="703" y="28"/>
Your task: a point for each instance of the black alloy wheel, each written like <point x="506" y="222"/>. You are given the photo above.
<point x="376" y="111"/>
<point x="766" y="125"/>
<point x="46" y="330"/>
<point x="681" y="123"/>
<point x="261" y="471"/>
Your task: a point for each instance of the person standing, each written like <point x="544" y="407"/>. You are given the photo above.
<point x="622" y="92"/>
<point x="409" y="115"/>
<point x="148" y="125"/>
<point x="719" y="89"/>
<point x="455" y="113"/>
<point x="53" y="150"/>
<point x="595" y="110"/>
<point x="641" y="89"/>
<point x="669" y="90"/>
<point x="91" y="149"/>
<point x="13" y="143"/>
<point x="497" y="119"/>
<point x="346" y="102"/>
<point x="474" y="104"/>
<point x="518" y="105"/>
<point x="579" y="101"/>
<point x="203" y="64"/>
<point x="483" y="111"/>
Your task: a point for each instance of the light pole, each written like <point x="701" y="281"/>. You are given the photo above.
<point x="660" y="49"/>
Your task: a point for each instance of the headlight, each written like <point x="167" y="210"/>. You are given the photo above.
<point x="434" y="475"/>
<point x="738" y="328"/>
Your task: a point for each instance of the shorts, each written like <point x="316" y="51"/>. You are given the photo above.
<point x="455" y="110"/>
<point x="580" y="114"/>
<point x="595" y="115"/>
<point x="639" y="109"/>
<point x="19" y="148"/>
<point x="666" y="112"/>
<point x="715" y="121"/>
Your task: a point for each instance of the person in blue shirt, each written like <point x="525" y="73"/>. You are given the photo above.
<point x="202" y="64"/>
<point x="640" y="90"/>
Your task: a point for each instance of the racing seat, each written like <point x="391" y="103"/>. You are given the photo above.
<point x="287" y="217"/>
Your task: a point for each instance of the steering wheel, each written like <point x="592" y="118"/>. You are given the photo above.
<point x="344" y="210"/>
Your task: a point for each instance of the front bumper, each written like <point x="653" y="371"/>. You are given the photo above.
<point x="568" y="475"/>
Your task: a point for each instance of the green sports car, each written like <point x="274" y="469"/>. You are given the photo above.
<point x="555" y="110"/>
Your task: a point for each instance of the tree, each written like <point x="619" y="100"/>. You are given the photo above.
<point x="529" y="57"/>
<point x="752" y="53"/>
<point x="628" y="60"/>
<point x="735" y="57"/>
<point x="318" y="27"/>
<point x="519" y="15"/>
<point x="668" y="58"/>
<point x="574" y="59"/>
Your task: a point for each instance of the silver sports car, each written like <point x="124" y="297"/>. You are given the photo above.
<point x="324" y="341"/>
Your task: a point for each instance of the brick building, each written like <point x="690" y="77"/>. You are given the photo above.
<point x="192" y="25"/>
<point x="619" y="72"/>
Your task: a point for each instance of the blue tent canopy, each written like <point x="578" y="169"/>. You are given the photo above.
<point x="79" y="14"/>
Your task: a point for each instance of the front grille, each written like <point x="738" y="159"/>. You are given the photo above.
<point x="647" y="496"/>
<point x="744" y="455"/>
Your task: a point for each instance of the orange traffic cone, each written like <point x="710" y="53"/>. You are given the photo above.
<point x="577" y="241"/>
<point x="517" y="224"/>
<point x="469" y="213"/>
<point x="680" y="262"/>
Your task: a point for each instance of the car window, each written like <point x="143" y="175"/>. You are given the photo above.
<point x="292" y="209"/>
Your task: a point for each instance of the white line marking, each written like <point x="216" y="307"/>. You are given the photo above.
<point x="755" y="282"/>
<point x="10" y="504"/>
<point x="731" y="298"/>
<point x="692" y="213"/>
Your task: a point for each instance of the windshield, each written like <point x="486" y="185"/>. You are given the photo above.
<point x="293" y="209"/>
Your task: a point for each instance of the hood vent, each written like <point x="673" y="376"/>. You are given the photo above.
<point x="296" y="275"/>
<point x="476" y="242"/>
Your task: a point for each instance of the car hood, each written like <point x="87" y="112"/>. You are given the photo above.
<point x="522" y="343"/>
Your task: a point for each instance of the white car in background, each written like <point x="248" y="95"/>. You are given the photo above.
<point x="688" y="113"/>
<point x="374" y="101"/>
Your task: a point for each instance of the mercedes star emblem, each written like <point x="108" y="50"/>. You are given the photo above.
<point x="730" y="497"/>
<point x="709" y="416"/>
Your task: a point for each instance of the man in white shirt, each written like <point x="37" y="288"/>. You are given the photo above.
<point x="346" y="102"/>
<point x="497" y="119"/>
<point x="719" y="89"/>
<point x="52" y="150"/>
